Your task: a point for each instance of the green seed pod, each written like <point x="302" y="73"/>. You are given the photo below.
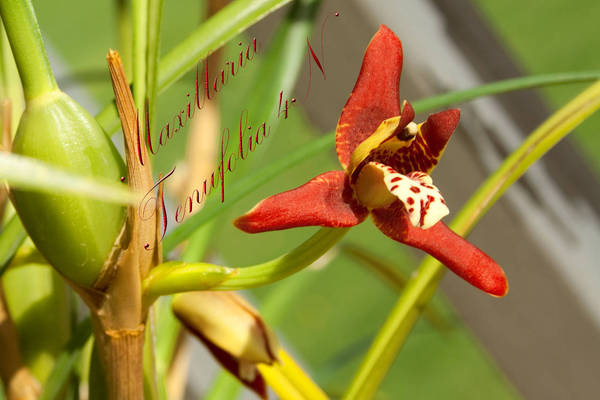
<point x="75" y="234"/>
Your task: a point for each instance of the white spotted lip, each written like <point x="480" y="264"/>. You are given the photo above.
<point x="379" y="185"/>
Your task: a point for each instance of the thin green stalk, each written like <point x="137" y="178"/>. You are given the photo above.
<point x="504" y="86"/>
<point x="67" y="361"/>
<point x="28" y="49"/>
<point x="125" y="34"/>
<point x="10" y="86"/>
<point x="153" y="38"/>
<point x="176" y="276"/>
<point x="211" y="35"/>
<point x="422" y="286"/>
<point x="151" y="391"/>
<point x="140" y="53"/>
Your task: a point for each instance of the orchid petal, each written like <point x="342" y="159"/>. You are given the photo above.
<point x="379" y="186"/>
<point x="425" y="150"/>
<point x="326" y="200"/>
<point x="399" y="131"/>
<point x="375" y="96"/>
<point x="456" y="253"/>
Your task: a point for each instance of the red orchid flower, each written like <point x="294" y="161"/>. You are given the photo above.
<point x="387" y="160"/>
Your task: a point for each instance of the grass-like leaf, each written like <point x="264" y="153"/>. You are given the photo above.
<point x="66" y="361"/>
<point x="12" y="236"/>
<point x="30" y="174"/>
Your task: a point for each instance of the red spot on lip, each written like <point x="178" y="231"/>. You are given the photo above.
<point x="394" y="188"/>
<point x="423" y="213"/>
<point x="411" y="210"/>
<point x="410" y="201"/>
<point x="415" y="189"/>
<point x="396" y="179"/>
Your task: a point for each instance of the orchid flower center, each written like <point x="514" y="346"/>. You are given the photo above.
<point x="379" y="186"/>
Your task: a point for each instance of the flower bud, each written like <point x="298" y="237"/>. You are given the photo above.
<point x="74" y="234"/>
<point x="232" y="330"/>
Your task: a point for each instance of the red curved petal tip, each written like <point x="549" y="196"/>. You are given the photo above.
<point x="438" y="128"/>
<point x="375" y="96"/>
<point x="325" y="200"/>
<point x="425" y="151"/>
<point x="456" y="253"/>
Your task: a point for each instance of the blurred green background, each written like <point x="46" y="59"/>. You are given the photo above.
<point x="328" y="316"/>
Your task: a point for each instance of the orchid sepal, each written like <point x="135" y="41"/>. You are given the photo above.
<point x="326" y="200"/>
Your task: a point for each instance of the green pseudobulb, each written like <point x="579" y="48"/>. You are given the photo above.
<point x="75" y="234"/>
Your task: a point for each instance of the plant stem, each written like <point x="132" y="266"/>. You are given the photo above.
<point x="28" y="49"/>
<point x="121" y="354"/>
<point x="140" y="48"/>
<point x="125" y="33"/>
<point x="286" y="265"/>
<point x="504" y="86"/>
<point x="153" y="42"/>
<point x="421" y="288"/>
<point x="175" y="277"/>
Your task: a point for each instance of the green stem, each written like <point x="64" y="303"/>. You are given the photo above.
<point x="28" y="49"/>
<point x="140" y="49"/>
<point x="11" y="87"/>
<point x="421" y="288"/>
<point x="125" y="34"/>
<point x="153" y="37"/>
<point x="175" y="276"/>
<point x="504" y="86"/>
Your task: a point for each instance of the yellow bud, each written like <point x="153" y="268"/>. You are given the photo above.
<point x="229" y="322"/>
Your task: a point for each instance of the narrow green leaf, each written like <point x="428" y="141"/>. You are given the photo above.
<point x="66" y="361"/>
<point x="11" y="238"/>
<point x="140" y="51"/>
<point x="211" y="35"/>
<point x="30" y="174"/>
<point x="504" y="86"/>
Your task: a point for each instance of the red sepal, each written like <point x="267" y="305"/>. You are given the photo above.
<point x="326" y="200"/>
<point x="456" y="253"/>
<point x="375" y="96"/>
